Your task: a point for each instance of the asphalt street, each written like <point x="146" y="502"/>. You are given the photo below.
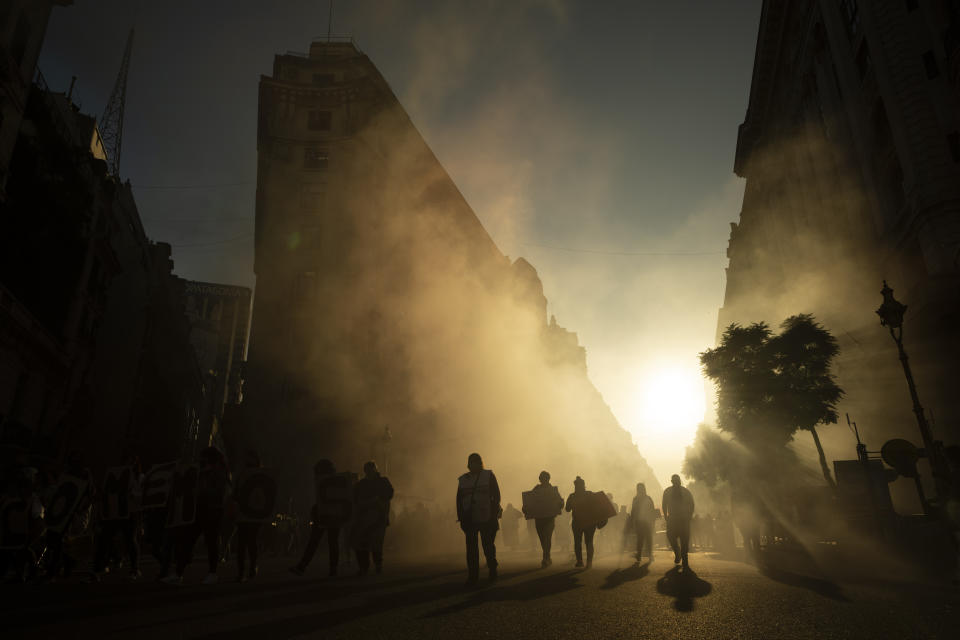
<point x="721" y="598"/>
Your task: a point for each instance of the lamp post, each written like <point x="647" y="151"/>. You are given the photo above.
<point x="891" y="316"/>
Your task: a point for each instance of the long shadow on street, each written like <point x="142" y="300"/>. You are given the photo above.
<point x="104" y="600"/>
<point x="620" y="576"/>
<point x="683" y="587"/>
<point x="825" y="588"/>
<point x="543" y="587"/>
<point x="373" y="605"/>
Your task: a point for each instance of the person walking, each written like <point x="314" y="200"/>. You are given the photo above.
<point x="213" y="481"/>
<point x="248" y="532"/>
<point x="643" y="515"/>
<point x="371" y="499"/>
<point x="321" y="524"/>
<point x="510" y="526"/>
<point x="478" y="511"/>
<point x="678" y="509"/>
<point x="127" y="525"/>
<point x="548" y="495"/>
<point x="583" y="529"/>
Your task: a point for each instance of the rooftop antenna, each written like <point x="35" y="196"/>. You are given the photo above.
<point x="329" y="20"/>
<point x="111" y="122"/>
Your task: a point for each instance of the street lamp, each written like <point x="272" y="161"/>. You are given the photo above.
<point x="891" y="316"/>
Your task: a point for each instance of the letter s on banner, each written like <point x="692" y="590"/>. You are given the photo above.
<point x="65" y="500"/>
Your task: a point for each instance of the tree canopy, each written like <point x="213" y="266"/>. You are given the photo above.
<point x="772" y="385"/>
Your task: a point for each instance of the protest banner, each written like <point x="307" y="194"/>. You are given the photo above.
<point x="182" y="503"/>
<point x="156" y="486"/>
<point x="115" y="499"/>
<point x="596" y="509"/>
<point x="66" y="498"/>
<point x="256" y="495"/>
<point x="542" y="504"/>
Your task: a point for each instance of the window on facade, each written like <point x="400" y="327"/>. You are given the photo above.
<point x="313" y="197"/>
<point x="323" y="79"/>
<point x="314" y="158"/>
<point x="930" y="64"/>
<point x="319" y="120"/>
<point x="305" y="286"/>
<point x="863" y="60"/>
<point x="851" y="16"/>
<point x="953" y="141"/>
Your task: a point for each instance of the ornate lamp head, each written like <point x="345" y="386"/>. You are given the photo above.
<point x="891" y="311"/>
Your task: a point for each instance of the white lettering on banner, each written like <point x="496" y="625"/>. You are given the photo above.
<point x="115" y="501"/>
<point x="156" y="486"/>
<point x="65" y="501"/>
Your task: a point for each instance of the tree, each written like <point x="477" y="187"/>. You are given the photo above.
<point x="772" y="385"/>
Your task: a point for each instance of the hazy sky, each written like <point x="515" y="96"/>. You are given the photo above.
<point x="582" y="134"/>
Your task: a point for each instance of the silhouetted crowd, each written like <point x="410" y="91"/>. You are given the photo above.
<point x="50" y="519"/>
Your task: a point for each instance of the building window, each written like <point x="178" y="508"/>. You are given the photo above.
<point x="863" y="60"/>
<point x="953" y="141"/>
<point x="930" y="64"/>
<point x="322" y="79"/>
<point x="313" y="197"/>
<point x="851" y="16"/>
<point x="314" y="158"/>
<point x="319" y="120"/>
<point x="305" y="286"/>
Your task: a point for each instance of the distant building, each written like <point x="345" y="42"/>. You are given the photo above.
<point x="851" y="153"/>
<point x="219" y="324"/>
<point x="382" y="302"/>
<point x="23" y="24"/>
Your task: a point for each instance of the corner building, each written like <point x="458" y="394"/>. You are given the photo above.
<point x="382" y="302"/>
<point x="851" y="153"/>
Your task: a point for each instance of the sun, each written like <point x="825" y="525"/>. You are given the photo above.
<point x="670" y="404"/>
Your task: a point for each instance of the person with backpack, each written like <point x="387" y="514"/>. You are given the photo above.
<point x="548" y="495"/>
<point x="478" y="511"/>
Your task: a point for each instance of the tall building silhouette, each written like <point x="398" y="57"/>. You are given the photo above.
<point x="382" y="303"/>
<point x="851" y="153"/>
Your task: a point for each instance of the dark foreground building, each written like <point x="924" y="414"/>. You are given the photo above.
<point x="387" y="324"/>
<point x="95" y="355"/>
<point x="851" y="153"/>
